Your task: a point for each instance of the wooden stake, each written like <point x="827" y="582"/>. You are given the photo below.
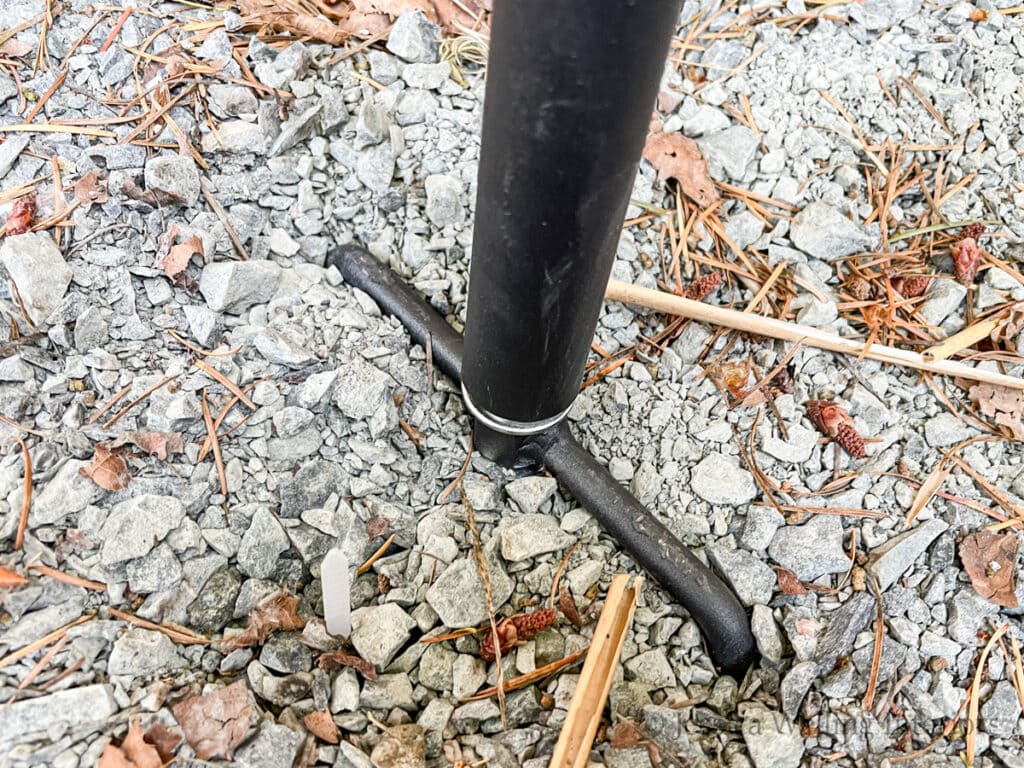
<point x="815" y="337"/>
<point x="580" y="727"/>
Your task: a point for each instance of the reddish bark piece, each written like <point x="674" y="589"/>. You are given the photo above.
<point x="833" y="421"/>
<point x="377" y="526"/>
<point x="568" y="607"/>
<point x="9" y="578"/>
<point x="214" y="724"/>
<point x="19" y="220"/>
<point x="990" y="560"/>
<point x="108" y="470"/>
<point x="179" y="256"/>
<point x="677" y="157"/>
<point x="911" y="287"/>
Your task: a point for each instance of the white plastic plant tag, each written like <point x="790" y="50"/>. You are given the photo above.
<point x="337" y="593"/>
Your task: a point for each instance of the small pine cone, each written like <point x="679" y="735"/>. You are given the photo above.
<point x="973" y="231"/>
<point x="702" y="287"/>
<point x="529" y="624"/>
<point x="966" y="260"/>
<point x="850" y="440"/>
<point x="859" y="288"/>
<point x="912" y="287"/>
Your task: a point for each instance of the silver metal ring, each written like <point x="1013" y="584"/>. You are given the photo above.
<point x="507" y="426"/>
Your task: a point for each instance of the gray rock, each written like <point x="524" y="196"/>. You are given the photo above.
<point x="350" y="756"/>
<point x="234" y="286"/>
<point x="444" y="200"/>
<point x="274" y="746"/>
<point x="66" y="493"/>
<point x="944" y="430"/>
<point x="771" y="740"/>
<point x="285" y="652"/>
<point x="667" y="727"/>
<point x="797" y="449"/>
<point x="37" y="623"/>
<point x="82" y="708"/>
<point x="204" y="324"/>
<point x="388" y="692"/>
<point x="627" y="757"/>
<point x="932" y="645"/>
<point x="280" y="691"/>
<point x="844" y="624"/>
<point x="427" y="76"/>
<point x="143" y="653"/>
<point x="311" y="487"/>
<point x="811" y="550"/>
<point x="468" y="674"/>
<point x="376" y="166"/>
<point x="527" y="536"/>
<point x="415" y="106"/>
<point x="1000" y="715"/>
<point x="729" y="152"/>
<point x="719" y="480"/>
<point x="380" y="631"/>
<point x="135" y="526"/>
<point x="968" y="612"/>
<point x="262" y="545"/>
<point x="227" y="100"/>
<point x="373" y="124"/>
<point x="889" y="561"/>
<point x="415" y="38"/>
<point x="345" y="692"/>
<point x="362" y="389"/>
<point x="766" y="633"/>
<point x="458" y="594"/>
<point x="39" y="272"/>
<point x="530" y="493"/>
<point x="652" y="669"/>
<point x="117" y="157"/>
<point x="760" y="526"/>
<point x="11" y="150"/>
<point x="795" y="686"/>
<point x="157" y="571"/>
<point x="235" y="137"/>
<point x="751" y="579"/>
<point x="944" y="297"/>
<point x="215" y="605"/>
<point x="822" y="231"/>
<point x="281" y="348"/>
<point x="90" y="329"/>
<point x="295" y="129"/>
<point x="175" y="175"/>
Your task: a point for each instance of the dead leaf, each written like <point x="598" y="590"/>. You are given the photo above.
<point x="279" y="611"/>
<point x="19" y="220"/>
<point x="321" y="724"/>
<point x="1005" y="335"/>
<point x="9" y="578"/>
<point x="677" y="157"/>
<point x="91" y="188"/>
<point x="333" y="660"/>
<point x="568" y="607"/>
<point x="134" y="752"/>
<point x="215" y="723"/>
<point x="157" y="198"/>
<point x="1003" y="405"/>
<point x="454" y="17"/>
<point x="990" y="560"/>
<point x="377" y="526"/>
<point x="108" y="470"/>
<point x="928" y="489"/>
<point x="178" y="257"/>
<point x="625" y="733"/>
<point x="15" y="48"/>
<point x="789" y="583"/>
<point x="159" y="444"/>
<point x="164" y="739"/>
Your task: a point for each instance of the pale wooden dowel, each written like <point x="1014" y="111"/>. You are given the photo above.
<point x="780" y="329"/>
<point x="962" y="340"/>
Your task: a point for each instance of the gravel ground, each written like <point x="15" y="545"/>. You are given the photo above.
<point x="381" y="149"/>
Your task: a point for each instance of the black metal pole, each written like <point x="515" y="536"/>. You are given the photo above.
<point x="570" y="89"/>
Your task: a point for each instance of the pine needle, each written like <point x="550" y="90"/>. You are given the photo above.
<point x="376" y="555"/>
<point x="211" y="433"/>
<point x="117" y="416"/>
<point x="26" y="495"/>
<point x="219" y="377"/>
<point x="876" y="656"/>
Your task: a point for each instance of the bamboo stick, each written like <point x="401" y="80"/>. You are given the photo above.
<point x="962" y="339"/>
<point x="815" y="337"/>
<point x="580" y="727"/>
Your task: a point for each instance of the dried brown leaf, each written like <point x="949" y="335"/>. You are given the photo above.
<point x="15" y="48"/>
<point x="789" y="583"/>
<point x="322" y="725"/>
<point x="625" y="733"/>
<point x="157" y="198"/>
<point x="990" y="560"/>
<point x="159" y="444"/>
<point x="108" y="470"/>
<point x="1005" y="335"/>
<point x="677" y="157"/>
<point x="333" y="660"/>
<point x="19" y="220"/>
<point x="179" y="256"/>
<point x="568" y="607"/>
<point x="928" y="489"/>
<point x="216" y="722"/>
<point x="1003" y="405"/>
<point x="453" y="17"/>
<point x="9" y="578"/>
<point x="164" y="739"/>
<point x="377" y="526"/>
<point x="277" y="612"/>
<point x="134" y="751"/>
<point x="91" y="188"/>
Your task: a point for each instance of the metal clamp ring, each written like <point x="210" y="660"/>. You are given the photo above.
<point x="507" y="426"/>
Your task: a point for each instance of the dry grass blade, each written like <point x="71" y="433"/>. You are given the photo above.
<point x="98" y="133"/>
<point x="458" y="478"/>
<point x="177" y="634"/>
<point x="530" y="677"/>
<point x="42" y="642"/>
<point x="485" y="577"/>
<point x="928" y="489"/>
<point x="26" y="496"/>
<point x="876" y="655"/>
<point x="376" y="555"/>
<point x="207" y="444"/>
<point x="1018" y="671"/>
<point x="211" y="434"/>
<point x="219" y="377"/>
<point x="974" y="694"/>
<point x="67" y="578"/>
<point x="561" y="570"/>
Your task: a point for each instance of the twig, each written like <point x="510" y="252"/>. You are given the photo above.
<point x="117" y="28"/>
<point x="117" y="416"/>
<point x="205" y="448"/>
<point x="68" y="578"/>
<point x="941" y="227"/>
<point x="12" y="423"/>
<point x="975" y="696"/>
<point x="181" y="636"/>
<point x="216" y="375"/>
<point x="561" y="569"/>
<point x="211" y="433"/>
<point x="376" y="555"/>
<point x="815" y="337"/>
<point x="530" y="677"/>
<point x="43" y="663"/>
<point x="26" y="496"/>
